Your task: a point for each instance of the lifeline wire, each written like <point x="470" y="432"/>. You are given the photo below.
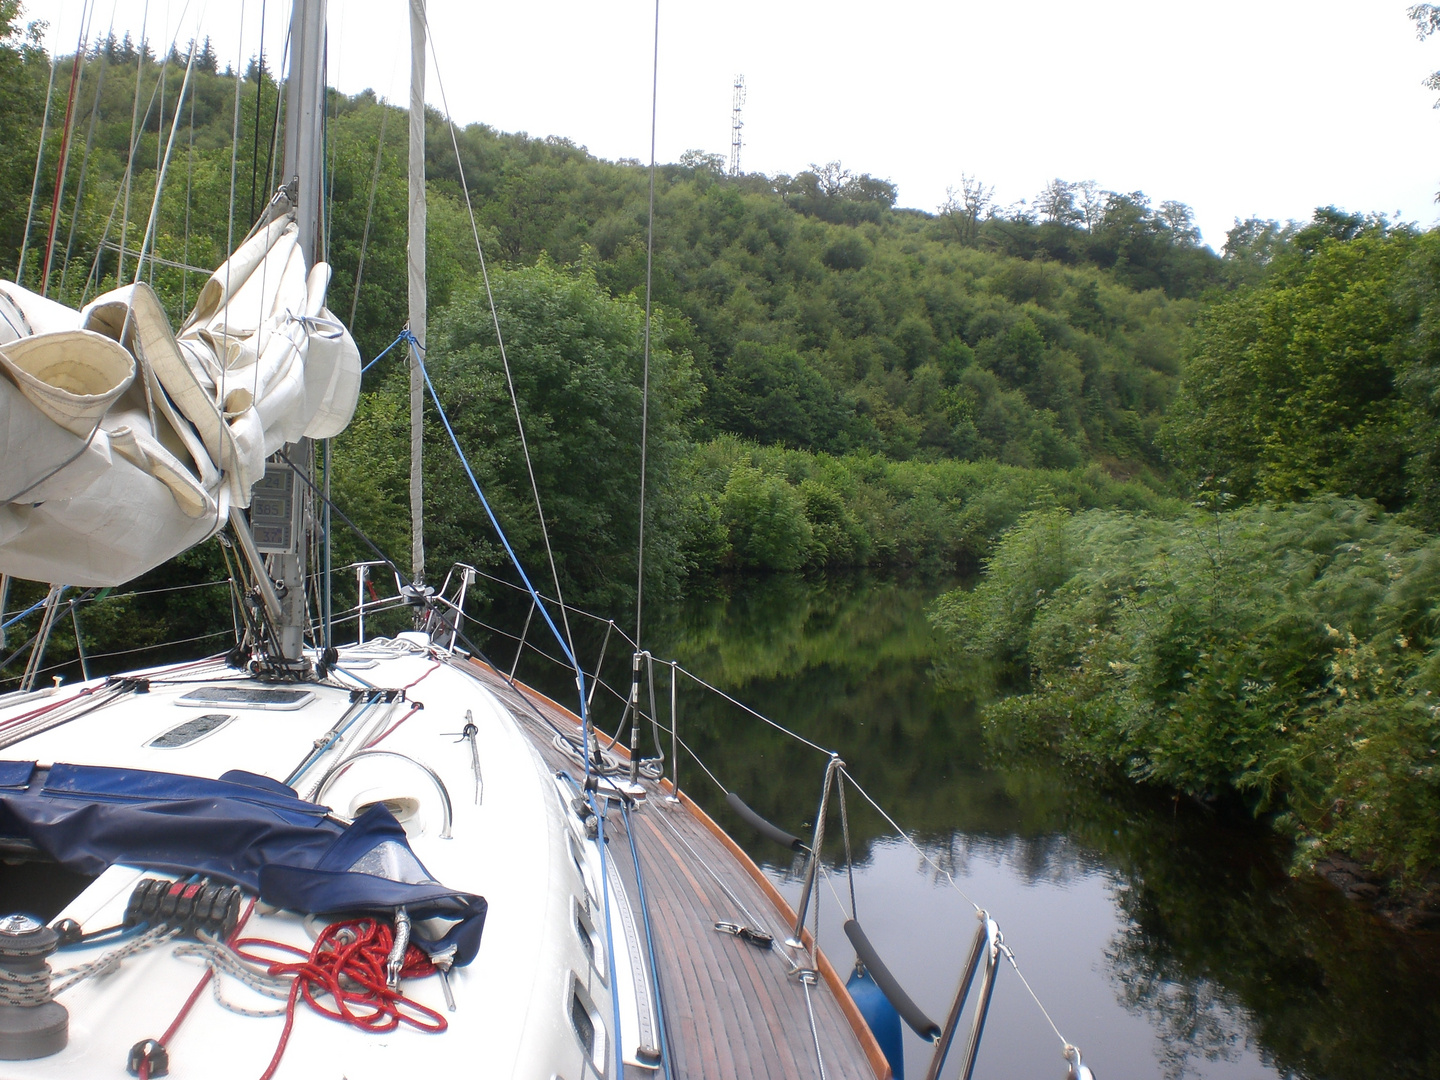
<point x="954" y="885"/>
<point x="918" y="849"/>
<point x="759" y="716"/>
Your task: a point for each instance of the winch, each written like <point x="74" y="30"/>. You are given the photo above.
<point x="32" y="1025"/>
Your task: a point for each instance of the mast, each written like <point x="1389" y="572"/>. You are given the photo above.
<point x="304" y="120"/>
<point x="304" y="150"/>
<point x="416" y="267"/>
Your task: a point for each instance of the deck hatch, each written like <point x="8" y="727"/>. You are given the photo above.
<point x="247" y="697"/>
<point x="189" y="731"/>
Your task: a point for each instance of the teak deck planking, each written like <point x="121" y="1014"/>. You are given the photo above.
<point x="731" y="1010"/>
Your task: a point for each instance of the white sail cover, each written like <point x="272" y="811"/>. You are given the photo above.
<point x="123" y="444"/>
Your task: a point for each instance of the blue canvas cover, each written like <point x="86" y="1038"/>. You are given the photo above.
<point x="242" y="828"/>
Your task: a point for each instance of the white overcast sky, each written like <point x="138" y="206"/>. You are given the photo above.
<point x="1237" y="107"/>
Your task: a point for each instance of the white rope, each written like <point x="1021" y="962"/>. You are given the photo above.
<point x="25" y="988"/>
<point x="64" y="980"/>
<point x="221" y="958"/>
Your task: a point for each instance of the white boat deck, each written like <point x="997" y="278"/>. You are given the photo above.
<point x="730" y="1009"/>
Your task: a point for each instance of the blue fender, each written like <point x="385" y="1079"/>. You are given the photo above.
<point x="880" y="1015"/>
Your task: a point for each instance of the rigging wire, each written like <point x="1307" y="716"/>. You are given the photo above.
<point x="189" y="191"/>
<point x="369" y="212"/>
<point x="77" y="65"/>
<point x="275" y="118"/>
<point x="758" y="715"/>
<point x="105" y="244"/>
<point x="645" y="378"/>
<point x="159" y="145"/>
<point x="505" y="542"/>
<point x="230" y="220"/>
<point x="104" y="58"/>
<point x="504" y="359"/>
<point x="259" y="95"/>
<point x="39" y="164"/>
<point x="149" y="239"/>
<point x="134" y="137"/>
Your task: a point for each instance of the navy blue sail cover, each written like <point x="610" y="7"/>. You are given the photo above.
<point x="246" y="829"/>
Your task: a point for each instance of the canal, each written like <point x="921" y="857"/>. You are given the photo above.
<point x="1164" y="939"/>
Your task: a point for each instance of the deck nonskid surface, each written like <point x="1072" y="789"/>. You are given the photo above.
<point x="732" y="1011"/>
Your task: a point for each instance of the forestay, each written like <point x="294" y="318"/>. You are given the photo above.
<point x="124" y="443"/>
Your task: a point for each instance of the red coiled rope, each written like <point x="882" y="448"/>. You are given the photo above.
<point x="347" y="965"/>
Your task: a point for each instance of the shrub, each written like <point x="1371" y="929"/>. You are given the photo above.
<point x="1285" y="655"/>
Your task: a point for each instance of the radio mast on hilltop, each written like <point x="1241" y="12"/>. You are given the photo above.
<point x="736" y="124"/>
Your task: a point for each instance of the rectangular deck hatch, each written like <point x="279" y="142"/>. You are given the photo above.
<point x="246" y="697"/>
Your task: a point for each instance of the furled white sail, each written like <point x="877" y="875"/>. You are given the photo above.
<point x="124" y="443"/>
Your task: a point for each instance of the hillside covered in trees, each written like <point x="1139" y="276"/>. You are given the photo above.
<point x="1203" y="486"/>
<point x="801" y="313"/>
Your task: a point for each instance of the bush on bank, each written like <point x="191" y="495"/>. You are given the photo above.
<point x="1285" y="654"/>
<point x="772" y="508"/>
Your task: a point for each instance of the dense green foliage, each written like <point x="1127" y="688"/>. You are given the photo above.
<point x="838" y="382"/>
<point x="1319" y="378"/>
<point x="575" y="355"/>
<point x="769" y="508"/>
<point x="1287" y="654"/>
<point x="881" y="348"/>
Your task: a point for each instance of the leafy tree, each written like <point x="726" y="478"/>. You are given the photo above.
<point x="576" y="356"/>
<point x="1426" y="18"/>
<point x="1294" y="388"/>
<point x="772" y="394"/>
<point x="766" y="520"/>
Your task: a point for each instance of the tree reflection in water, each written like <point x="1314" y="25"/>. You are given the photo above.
<point x="1234" y="967"/>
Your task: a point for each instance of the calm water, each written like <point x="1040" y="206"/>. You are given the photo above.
<point x="1163" y="940"/>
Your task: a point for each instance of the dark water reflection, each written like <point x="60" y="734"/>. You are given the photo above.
<point x="1165" y="941"/>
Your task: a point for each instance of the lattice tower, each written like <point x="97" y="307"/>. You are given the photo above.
<point x="736" y="124"/>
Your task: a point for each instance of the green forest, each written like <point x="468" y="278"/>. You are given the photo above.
<point x="1198" y="491"/>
